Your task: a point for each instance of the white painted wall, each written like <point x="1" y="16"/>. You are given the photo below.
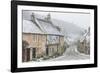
<point x="5" y="36"/>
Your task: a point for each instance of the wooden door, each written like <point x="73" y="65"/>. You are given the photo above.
<point x="34" y="52"/>
<point x="47" y="51"/>
<point x="23" y="55"/>
<point x="28" y="54"/>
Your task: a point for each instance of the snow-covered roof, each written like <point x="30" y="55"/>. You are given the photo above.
<point x="48" y="27"/>
<point x="30" y="27"/>
<point x="39" y="26"/>
<point x="85" y="36"/>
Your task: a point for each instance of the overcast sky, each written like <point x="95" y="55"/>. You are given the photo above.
<point x="80" y="19"/>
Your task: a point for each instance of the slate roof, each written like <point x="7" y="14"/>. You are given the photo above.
<point x="41" y="26"/>
<point x="30" y="27"/>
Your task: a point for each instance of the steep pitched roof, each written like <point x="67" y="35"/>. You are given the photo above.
<point x="48" y="27"/>
<point x="39" y="26"/>
<point x="30" y="27"/>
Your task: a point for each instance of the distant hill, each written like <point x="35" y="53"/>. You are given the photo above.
<point x="67" y="27"/>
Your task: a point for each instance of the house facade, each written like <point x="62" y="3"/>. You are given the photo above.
<point x="84" y="43"/>
<point x="43" y="39"/>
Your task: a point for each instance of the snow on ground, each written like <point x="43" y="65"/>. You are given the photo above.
<point x="71" y="53"/>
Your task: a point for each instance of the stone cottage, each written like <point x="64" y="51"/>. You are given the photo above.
<point x="84" y="43"/>
<point x="41" y="38"/>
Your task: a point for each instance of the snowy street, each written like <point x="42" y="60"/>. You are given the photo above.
<point x="71" y="53"/>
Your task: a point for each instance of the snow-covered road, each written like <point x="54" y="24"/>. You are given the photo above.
<point x="71" y="53"/>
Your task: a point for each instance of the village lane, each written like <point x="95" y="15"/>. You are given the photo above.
<point x="71" y="53"/>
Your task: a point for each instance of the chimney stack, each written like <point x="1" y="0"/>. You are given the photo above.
<point x="33" y="17"/>
<point x="48" y="18"/>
